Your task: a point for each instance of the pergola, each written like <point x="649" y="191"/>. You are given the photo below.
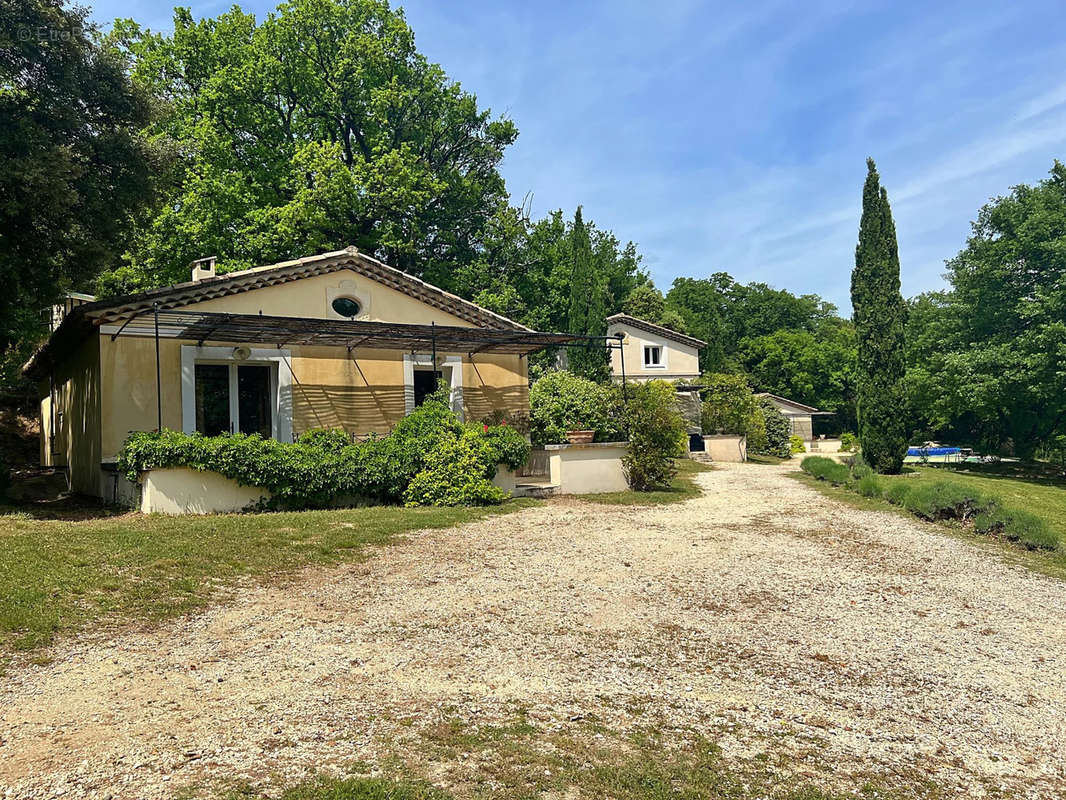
<point x="201" y="326"/>
<point x="280" y="332"/>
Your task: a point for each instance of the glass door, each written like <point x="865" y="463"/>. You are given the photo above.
<point x="234" y="397"/>
<point x="253" y="399"/>
<point x="212" y="399"/>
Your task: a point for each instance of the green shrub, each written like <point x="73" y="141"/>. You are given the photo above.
<point x="519" y="420"/>
<point x="1017" y="526"/>
<point x="826" y="469"/>
<point x="332" y="440"/>
<point x="323" y="467"/>
<point x="849" y="443"/>
<point x="897" y="492"/>
<point x="457" y="473"/>
<point x="775" y="441"/>
<point x="657" y="434"/>
<point x="869" y="485"/>
<point x="796" y="444"/>
<point x="941" y="500"/>
<point x="561" y="402"/>
<point x="813" y="465"/>
<point x="860" y="471"/>
<point x="729" y="406"/>
<point x="508" y="446"/>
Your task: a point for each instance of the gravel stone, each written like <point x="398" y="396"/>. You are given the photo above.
<point x="762" y="613"/>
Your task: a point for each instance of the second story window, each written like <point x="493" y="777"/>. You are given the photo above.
<point x="653" y="355"/>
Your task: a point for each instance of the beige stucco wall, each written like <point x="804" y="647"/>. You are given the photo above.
<point x="128" y="389"/>
<point x="682" y="361"/>
<point x="802" y="426"/>
<point x="362" y="393"/>
<point x="107" y="389"/>
<point x="77" y="414"/>
<point x="726" y="447"/>
<point x="311" y="297"/>
<point x="587" y="468"/>
<point x="187" y="491"/>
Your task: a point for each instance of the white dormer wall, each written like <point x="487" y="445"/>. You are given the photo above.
<point x="678" y="361"/>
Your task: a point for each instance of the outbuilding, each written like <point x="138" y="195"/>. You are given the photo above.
<point x="798" y="414"/>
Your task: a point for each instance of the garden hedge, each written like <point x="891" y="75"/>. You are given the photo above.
<point x="939" y="500"/>
<point x="429" y="458"/>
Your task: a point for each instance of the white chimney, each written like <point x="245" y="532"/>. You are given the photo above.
<point x="204" y="268"/>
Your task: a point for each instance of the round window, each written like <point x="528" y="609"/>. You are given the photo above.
<point x="346" y="306"/>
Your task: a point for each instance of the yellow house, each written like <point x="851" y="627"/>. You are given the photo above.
<point x="652" y="352"/>
<point x="338" y="340"/>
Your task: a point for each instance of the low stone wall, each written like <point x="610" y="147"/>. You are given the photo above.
<point x="179" y="490"/>
<point x="587" y="468"/>
<point x="505" y="478"/>
<point x="727" y="447"/>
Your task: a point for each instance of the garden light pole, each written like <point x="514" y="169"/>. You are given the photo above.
<point x="158" y="379"/>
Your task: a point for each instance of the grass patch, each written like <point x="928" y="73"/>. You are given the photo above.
<point x="1030" y="511"/>
<point x="351" y="789"/>
<point x="59" y="576"/>
<point x="682" y="487"/>
<point x="592" y="761"/>
<point x="760" y="458"/>
<point x="942" y="498"/>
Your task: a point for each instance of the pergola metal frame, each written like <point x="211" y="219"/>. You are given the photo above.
<point x="201" y="326"/>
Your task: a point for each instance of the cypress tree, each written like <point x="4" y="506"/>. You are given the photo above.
<point x="879" y="316"/>
<point x="587" y="313"/>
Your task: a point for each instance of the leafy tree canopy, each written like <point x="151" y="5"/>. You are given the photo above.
<point x="647" y="303"/>
<point x="318" y="127"/>
<point x="817" y="368"/>
<point x="987" y="357"/>
<point x="75" y="172"/>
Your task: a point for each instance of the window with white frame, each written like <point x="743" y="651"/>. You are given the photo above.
<point x="653" y="355"/>
<point x="235" y="398"/>
<point x="236" y="389"/>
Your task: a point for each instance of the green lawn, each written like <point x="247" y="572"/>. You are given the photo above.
<point x="59" y="576"/>
<point x="683" y="487"/>
<point x="1030" y="488"/>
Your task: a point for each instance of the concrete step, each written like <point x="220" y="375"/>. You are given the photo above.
<point x="703" y="458"/>
<point x="540" y="490"/>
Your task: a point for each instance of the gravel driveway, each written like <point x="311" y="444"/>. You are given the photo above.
<point x="761" y="613"/>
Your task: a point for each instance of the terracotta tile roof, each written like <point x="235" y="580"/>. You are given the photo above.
<point x="658" y="330"/>
<point x="793" y="403"/>
<point x="182" y="294"/>
<point x="80" y="322"/>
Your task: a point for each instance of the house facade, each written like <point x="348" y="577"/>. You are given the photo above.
<point x="339" y="340"/>
<point x="652" y="352"/>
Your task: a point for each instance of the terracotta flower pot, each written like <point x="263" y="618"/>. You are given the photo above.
<point x="580" y="437"/>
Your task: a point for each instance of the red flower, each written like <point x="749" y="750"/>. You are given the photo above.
<point x="485" y="426"/>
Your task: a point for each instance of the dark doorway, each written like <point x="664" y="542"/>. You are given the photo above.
<point x="212" y="399"/>
<point x="253" y="399"/>
<point x="426" y="382"/>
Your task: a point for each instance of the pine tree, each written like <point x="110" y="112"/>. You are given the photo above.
<point x="879" y="316"/>
<point x="587" y="307"/>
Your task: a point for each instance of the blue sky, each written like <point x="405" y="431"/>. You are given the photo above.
<point x="732" y="137"/>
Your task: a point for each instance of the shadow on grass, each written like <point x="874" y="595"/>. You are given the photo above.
<point x="1025" y="471"/>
